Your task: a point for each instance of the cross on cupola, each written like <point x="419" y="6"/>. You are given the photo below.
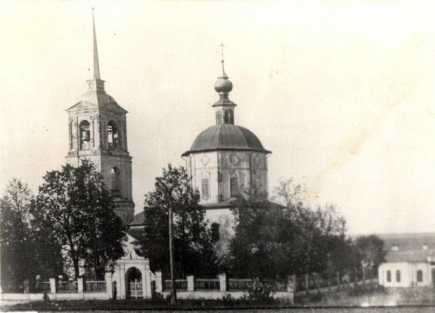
<point x="96" y="83"/>
<point x="224" y="106"/>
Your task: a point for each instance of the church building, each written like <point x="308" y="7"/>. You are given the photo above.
<point x="226" y="162"/>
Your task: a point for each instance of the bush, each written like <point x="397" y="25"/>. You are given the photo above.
<point x="261" y="291"/>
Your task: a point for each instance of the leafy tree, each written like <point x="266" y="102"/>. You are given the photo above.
<point x="371" y="250"/>
<point x="274" y="240"/>
<point x="15" y="236"/>
<point x="74" y="209"/>
<point x="193" y="247"/>
<point x="263" y="244"/>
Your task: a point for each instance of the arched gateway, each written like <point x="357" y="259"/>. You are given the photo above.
<point x="132" y="273"/>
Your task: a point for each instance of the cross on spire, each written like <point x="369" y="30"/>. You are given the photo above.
<point x="222" y="53"/>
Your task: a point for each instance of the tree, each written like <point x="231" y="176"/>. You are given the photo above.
<point x="75" y="210"/>
<point x="275" y="240"/>
<point x="371" y="250"/>
<point x="193" y="247"/>
<point x="15" y="236"/>
<point x="263" y="245"/>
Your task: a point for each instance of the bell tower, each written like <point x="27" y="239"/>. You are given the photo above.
<point x="98" y="131"/>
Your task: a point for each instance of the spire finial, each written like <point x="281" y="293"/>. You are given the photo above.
<point x="96" y="63"/>
<point x="223" y="61"/>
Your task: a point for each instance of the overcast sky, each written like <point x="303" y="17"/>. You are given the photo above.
<point x="341" y="92"/>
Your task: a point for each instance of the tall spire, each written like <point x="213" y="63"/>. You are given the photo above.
<point x="96" y="63"/>
<point x="95" y="83"/>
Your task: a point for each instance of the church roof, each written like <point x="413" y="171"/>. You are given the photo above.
<point x="137" y="220"/>
<point x="226" y="137"/>
<point x="411" y="256"/>
<point x="97" y="98"/>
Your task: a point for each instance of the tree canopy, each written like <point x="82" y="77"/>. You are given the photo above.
<point x="15" y="236"/>
<point x="275" y="240"/>
<point x="193" y="247"/>
<point x="371" y="250"/>
<point x="74" y="209"/>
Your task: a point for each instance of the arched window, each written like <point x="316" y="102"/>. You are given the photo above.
<point x="234" y="186"/>
<point x="419" y="276"/>
<point x="388" y="276"/>
<point x="398" y="276"/>
<point x="115" y="181"/>
<point x="205" y="189"/>
<point x="215" y="232"/>
<point x="112" y="135"/>
<point x="85" y="135"/>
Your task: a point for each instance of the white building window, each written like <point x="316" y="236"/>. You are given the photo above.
<point x="398" y="276"/>
<point x="419" y="276"/>
<point x="388" y="276"/>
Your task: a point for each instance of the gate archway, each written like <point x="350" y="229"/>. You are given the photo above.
<point x="134" y="283"/>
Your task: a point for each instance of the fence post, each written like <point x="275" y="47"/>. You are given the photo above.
<point x="190" y="283"/>
<point x="223" y="282"/>
<point x="159" y="282"/>
<point x="80" y="285"/>
<point x="109" y="287"/>
<point x="53" y="286"/>
<point x="291" y="287"/>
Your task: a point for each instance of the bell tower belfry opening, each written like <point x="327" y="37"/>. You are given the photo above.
<point x="98" y="131"/>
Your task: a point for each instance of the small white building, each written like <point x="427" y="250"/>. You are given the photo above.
<point x="409" y="268"/>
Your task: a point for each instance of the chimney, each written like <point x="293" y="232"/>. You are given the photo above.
<point x="425" y="247"/>
<point x="395" y="248"/>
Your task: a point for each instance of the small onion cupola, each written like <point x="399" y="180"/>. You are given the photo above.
<point x="224" y="107"/>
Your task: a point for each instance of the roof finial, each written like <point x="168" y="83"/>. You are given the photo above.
<point x="96" y="63"/>
<point x="222" y="53"/>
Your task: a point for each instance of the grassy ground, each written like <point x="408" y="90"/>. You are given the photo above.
<point x="134" y="305"/>
<point x="196" y="306"/>
<point x="361" y="300"/>
<point x="370" y="296"/>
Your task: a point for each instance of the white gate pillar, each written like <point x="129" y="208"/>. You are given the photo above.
<point x="146" y="281"/>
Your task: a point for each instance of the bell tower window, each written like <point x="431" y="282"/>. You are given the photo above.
<point x="85" y="135"/>
<point x="115" y="181"/>
<point x="234" y="186"/>
<point x="112" y="135"/>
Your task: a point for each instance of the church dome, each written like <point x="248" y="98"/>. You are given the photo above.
<point x="226" y="137"/>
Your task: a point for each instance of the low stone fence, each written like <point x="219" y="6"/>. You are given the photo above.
<point x="198" y="288"/>
<point x="66" y="290"/>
